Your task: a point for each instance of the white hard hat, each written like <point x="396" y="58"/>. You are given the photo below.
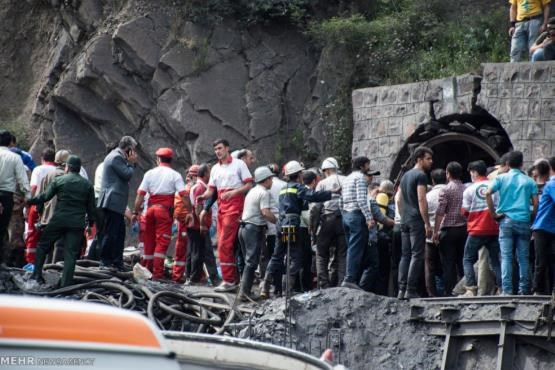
<point x="293" y="167"/>
<point x="262" y="173"/>
<point x="329" y="163"/>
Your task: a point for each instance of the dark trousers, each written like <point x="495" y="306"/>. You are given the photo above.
<point x="384" y="264"/>
<point x="432" y="268"/>
<point x="544" y="243"/>
<point x="356" y="233"/>
<point x="251" y="239"/>
<point x="276" y="267"/>
<point x="330" y="242"/>
<point x="451" y="251"/>
<point x="239" y="256"/>
<point x="396" y="247"/>
<point x="200" y="254"/>
<point x="411" y="267"/>
<point x="113" y="239"/>
<point x="306" y="260"/>
<point x="370" y="267"/>
<point x="72" y="239"/>
<point x="6" y="199"/>
<point x="94" y="250"/>
<point x="266" y="253"/>
<point x="473" y="245"/>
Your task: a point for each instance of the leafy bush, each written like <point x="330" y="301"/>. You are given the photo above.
<point x="19" y="131"/>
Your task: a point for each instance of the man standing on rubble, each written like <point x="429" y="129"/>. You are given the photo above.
<point x="13" y="179"/>
<point x="516" y="192"/>
<point x="161" y="184"/>
<point x="75" y="199"/>
<point x="416" y="225"/>
<point x="119" y="167"/>
<point x="256" y="213"/>
<point x="232" y="179"/>
<point x="331" y="236"/>
<point x="293" y="199"/>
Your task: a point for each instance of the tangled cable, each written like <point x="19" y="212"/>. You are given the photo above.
<point x="168" y="305"/>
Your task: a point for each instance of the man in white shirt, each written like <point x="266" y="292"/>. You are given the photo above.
<point x="161" y="184"/>
<point x="233" y="180"/>
<point x="33" y="233"/>
<point x="13" y="178"/>
<point x="432" y="261"/>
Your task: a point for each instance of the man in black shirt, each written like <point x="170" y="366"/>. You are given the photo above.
<point x="415" y="224"/>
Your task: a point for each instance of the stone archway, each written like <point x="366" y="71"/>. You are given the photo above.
<point x="459" y="137"/>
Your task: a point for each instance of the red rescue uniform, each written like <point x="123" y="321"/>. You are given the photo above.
<point x="180" y="258"/>
<point x="226" y="177"/>
<point x="161" y="183"/>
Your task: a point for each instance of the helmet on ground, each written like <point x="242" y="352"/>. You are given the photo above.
<point x="262" y="173"/>
<point x="293" y="167"/>
<point x="329" y="163"/>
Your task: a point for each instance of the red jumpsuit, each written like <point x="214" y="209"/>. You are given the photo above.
<point x="161" y="183"/>
<point x="180" y="258"/>
<point x="225" y="177"/>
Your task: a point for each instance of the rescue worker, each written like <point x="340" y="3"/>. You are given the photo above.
<point x="257" y="211"/>
<point x="161" y="184"/>
<point x="233" y="180"/>
<point x="331" y="236"/>
<point x="33" y="232"/>
<point x="182" y="218"/>
<point x="292" y="201"/>
<point x="202" y="252"/>
<point x="75" y="200"/>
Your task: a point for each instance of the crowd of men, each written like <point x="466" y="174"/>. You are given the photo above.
<point x="417" y="240"/>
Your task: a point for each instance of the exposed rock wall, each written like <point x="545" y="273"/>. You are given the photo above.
<point x="102" y="69"/>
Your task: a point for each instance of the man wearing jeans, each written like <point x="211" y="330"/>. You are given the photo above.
<point x="528" y="19"/>
<point x="482" y="229"/>
<point x="415" y="225"/>
<point x="544" y="235"/>
<point x="513" y="214"/>
<point x="357" y="219"/>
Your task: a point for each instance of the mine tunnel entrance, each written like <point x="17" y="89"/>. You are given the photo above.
<point x="460" y="137"/>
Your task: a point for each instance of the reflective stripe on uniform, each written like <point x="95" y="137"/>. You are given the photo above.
<point x="289" y="190"/>
<point x="31" y="250"/>
<point x="148" y="256"/>
<point x="179" y="263"/>
<point x="227" y="264"/>
<point x="159" y="255"/>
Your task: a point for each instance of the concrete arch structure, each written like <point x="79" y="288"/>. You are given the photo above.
<point x="507" y="102"/>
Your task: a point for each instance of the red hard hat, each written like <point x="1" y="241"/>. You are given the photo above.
<point x="165" y="152"/>
<point x="193" y="170"/>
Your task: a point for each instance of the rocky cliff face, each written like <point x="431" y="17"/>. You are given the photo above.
<point x="83" y="73"/>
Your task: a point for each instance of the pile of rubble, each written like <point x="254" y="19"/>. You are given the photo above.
<point x="365" y="331"/>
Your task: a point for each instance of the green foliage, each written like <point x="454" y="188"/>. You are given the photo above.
<point x="19" y="131"/>
<point x="339" y="122"/>
<point x="408" y="41"/>
<point x="247" y="12"/>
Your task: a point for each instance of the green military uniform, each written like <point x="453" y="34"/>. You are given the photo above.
<point x="75" y="198"/>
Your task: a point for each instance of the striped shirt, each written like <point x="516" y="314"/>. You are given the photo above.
<point x="354" y="194"/>
<point x="450" y="204"/>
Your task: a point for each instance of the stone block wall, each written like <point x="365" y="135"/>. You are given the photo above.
<point x="521" y="96"/>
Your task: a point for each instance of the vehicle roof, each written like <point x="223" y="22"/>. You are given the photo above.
<point x="75" y="324"/>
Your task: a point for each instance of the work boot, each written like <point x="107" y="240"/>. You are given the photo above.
<point x="411" y="295"/>
<point x="225" y="287"/>
<point x="265" y="287"/>
<point x="471" y="291"/>
<point x="39" y="263"/>
<point x="246" y="282"/>
<point x="290" y="284"/>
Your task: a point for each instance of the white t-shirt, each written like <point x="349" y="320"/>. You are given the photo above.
<point x="230" y="175"/>
<point x="277" y="185"/>
<point x="256" y="200"/>
<point x="98" y="179"/>
<point x="161" y="183"/>
<point x="40" y="172"/>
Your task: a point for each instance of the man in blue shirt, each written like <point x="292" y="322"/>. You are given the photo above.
<point x="513" y="214"/>
<point x="544" y="234"/>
